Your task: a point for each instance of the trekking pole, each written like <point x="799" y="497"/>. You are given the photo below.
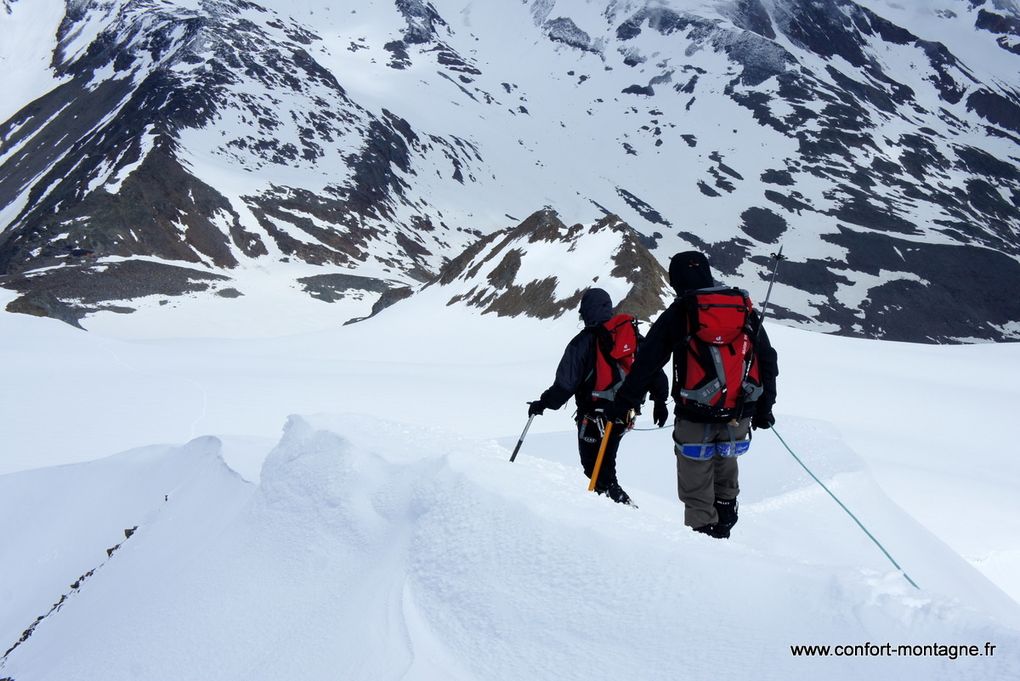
<point x="598" y="459"/>
<point x="521" y="441"/>
<point x="778" y="257"/>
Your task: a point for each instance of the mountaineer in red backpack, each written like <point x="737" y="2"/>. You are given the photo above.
<point x="724" y="383"/>
<point x="593" y="366"/>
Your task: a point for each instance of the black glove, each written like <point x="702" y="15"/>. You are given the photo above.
<point x="535" y="408"/>
<point x="764" y="420"/>
<point x="660" y="413"/>
<point x="614" y="411"/>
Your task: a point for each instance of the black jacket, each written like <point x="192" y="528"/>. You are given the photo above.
<point x="667" y="337"/>
<point x="575" y="376"/>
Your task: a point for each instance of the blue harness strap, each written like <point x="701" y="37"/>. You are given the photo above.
<point x="706" y="450"/>
<point x="730" y="450"/>
<point x="699" y="452"/>
<point x="703" y="451"/>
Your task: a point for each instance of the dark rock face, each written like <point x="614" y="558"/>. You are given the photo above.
<point x="333" y="287"/>
<point x="751" y="15"/>
<point x="70" y="292"/>
<point x="98" y="165"/>
<point x="663" y="20"/>
<point x="898" y="309"/>
<point x="339" y="244"/>
<point x="763" y="225"/>
<point x="645" y="210"/>
<point x="390" y="296"/>
<point x="564" y="30"/>
<point x="423" y="21"/>
<point x="161" y="210"/>
<point x="996" y="108"/>
<point x="1008" y="28"/>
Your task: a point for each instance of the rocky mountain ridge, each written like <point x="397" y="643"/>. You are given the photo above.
<point x="506" y="272"/>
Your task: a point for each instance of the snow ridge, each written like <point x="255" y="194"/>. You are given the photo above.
<point x="388" y="550"/>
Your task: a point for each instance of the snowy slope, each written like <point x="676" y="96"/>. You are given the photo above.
<point x="99" y="507"/>
<point x="29" y="41"/>
<point x="375" y="550"/>
<point x="397" y="538"/>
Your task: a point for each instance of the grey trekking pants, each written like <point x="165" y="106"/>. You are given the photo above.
<point x="700" y="483"/>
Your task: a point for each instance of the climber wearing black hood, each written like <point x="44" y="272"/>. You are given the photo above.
<point x="575" y="376"/>
<point x="707" y="486"/>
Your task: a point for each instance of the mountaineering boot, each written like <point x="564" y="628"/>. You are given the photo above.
<point x="616" y="493"/>
<point x="713" y="530"/>
<point x="727" y="510"/>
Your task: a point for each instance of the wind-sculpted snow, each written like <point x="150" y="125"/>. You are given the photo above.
<point x="374" y="549"/>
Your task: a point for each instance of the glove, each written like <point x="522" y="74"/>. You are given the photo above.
<point x="764" y="420"/>
<point x="535" y="408"/>
<point x="660" y="413"/>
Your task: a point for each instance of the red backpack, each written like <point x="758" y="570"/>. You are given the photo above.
<point x="721" y="367"/>
<point x="616" y="342"/>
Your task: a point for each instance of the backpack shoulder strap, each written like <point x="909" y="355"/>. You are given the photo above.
<point x="603" y="338"/>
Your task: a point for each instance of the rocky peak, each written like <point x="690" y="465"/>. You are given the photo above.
<point x="541" y="268"/>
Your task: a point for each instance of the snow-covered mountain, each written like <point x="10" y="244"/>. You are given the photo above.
<point x="507" y="272"/>
<point x="170" y="147"/>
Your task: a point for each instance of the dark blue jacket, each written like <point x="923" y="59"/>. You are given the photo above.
<point x="575" y="374"/>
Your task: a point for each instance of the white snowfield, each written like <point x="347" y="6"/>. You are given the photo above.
<point x="395" y="540"/>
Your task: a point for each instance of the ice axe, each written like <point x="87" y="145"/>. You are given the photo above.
<point x="598" y="459"/>
<point x="521" y="441"/>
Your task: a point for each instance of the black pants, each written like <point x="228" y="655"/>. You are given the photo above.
<point x="590" y="429"/>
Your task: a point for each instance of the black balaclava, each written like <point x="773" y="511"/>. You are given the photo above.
<point x="596" y="307"/>
<point x="689" y="270"/>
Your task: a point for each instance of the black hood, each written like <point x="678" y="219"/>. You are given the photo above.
<point x="689" y="270"/>
<point x="596" y="307"/>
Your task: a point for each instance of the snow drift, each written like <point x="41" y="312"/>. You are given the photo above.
<point x="373" y="549"/>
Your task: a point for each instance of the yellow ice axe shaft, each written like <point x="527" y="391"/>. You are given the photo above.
<point x="598" y="459"/>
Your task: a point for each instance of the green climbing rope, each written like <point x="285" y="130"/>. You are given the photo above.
<point x="848" y="512"/>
